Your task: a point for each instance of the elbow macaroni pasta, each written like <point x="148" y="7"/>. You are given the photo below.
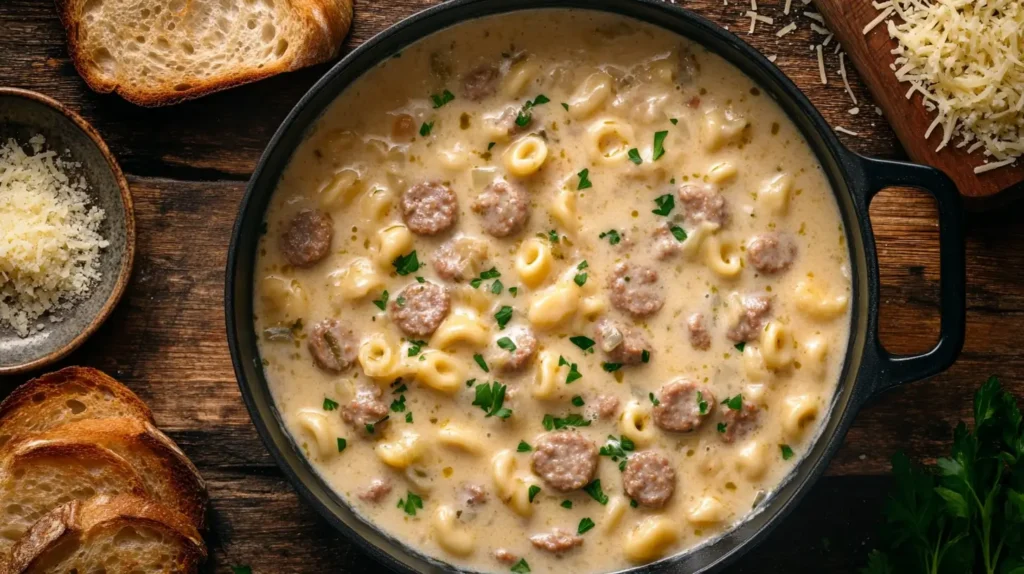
<point x="315" y="424"/>
<point x="355" y="281"/>
<point x="403" y="451"/>
<point x="459" y="437"/>
<point x="462" y="327"/>
<point x="776" y="346"/>
<point x="283" y="296"/>
<point x="526" y="156"/>
<point x="635" y="424"/>
<point x="776" y="192"/>
<point x="799" y="412"/>
<point x="651" y="538"/>
<point x="449" y="535"/>
<point x="380" y="358"/>
<point x="392" y="242"/>
<point x="440" y="371"/>
<point x="591" y="94"/>
<point x="554" y="306"/>
<point x="815" y="304"/>
<point x="722" y="256"/>
<point x="608" y="141"/>
<point x="340" y="190"/>
<point x="534" y="261"/>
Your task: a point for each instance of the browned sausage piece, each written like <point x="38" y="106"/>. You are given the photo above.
<point x="472" y="494"/>
<point x="738" y="422"/>
<point x="526" y="348"/>
<point x="664" y="244"/>
<point x="702" y="203"/>
<point x="603" y="407"/>
<point x="503" y="208"/>
<point x="333" y="345"/>
<point x="557" y="541"/>
<point x="635" y="290"/>
<point x="649" y="479"/>
<point x="754" y="314"/>
<point x="481" y="82"/>
<point x="683" y="405"/>
<point x="366" y="408"/>
<point x="771" y="252"/>
<point x="376" y="491"/>
<point x="700" y="339"/>
<point x="457" y="258"/>
<point x="420" y="308"/>
<point x="429" y="208"/>
<point x="621" y="343"/>
<point x="505" y="557"/>
<point x="308" y="238"/>
<point x="565" y="459"/>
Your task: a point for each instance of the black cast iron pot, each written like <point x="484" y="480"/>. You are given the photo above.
<point x="868" y="370"/>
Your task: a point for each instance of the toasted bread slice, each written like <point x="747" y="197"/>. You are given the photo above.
<point x="168" y="475"/>
<point x="119" y="535"/>
<point x="158" y="52"/>
<point x="71" y="394"/>
<point x="38" y="476"/>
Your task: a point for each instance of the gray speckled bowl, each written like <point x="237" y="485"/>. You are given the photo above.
<point x="24" y="114"/>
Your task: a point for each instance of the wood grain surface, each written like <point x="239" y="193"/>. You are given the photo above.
<point x="188" y="166"/>
<point x="872" y="55"/>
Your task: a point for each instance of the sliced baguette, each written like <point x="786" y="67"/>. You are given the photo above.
<point x="119" y="535"/>
<point x="158" y="52"/>
<point x="36" y="477"/>
<point x="168" y="475"/>
<point x="68" y="395"/>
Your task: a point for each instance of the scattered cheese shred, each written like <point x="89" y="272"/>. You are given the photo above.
<point x="821" y="30"/>
<point x="786" y="29"/>
<point x="821" y="65"/>
<point x="843" y="130"/>
<point x="842" y="74"/>
<point x="881" y="18"/>
<point x="816" y="17"/>
<point x="965" y="59"/>
<point x="785" y="10"/>
<point x="753" y="5"/>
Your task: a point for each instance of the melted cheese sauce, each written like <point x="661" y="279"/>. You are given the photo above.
<point x="386" y="133"/>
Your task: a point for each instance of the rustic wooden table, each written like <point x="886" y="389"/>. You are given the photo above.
<point x="188" y="166"/>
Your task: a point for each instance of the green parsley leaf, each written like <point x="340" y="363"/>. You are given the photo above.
<point x="408" y="418"/>
<point x="616" y="448"/>
<point x="787" y="452"/>
<point x="673" y="120"/>
<point x="420" y="279"/>
<point x="583" y="265"/>
<point x="584" y="181"/>
<point x="678" y="232"/>
<point x="514" y="291"/>
<point x="632" y="503"/>
<point x="654" y="399"/>
<point x="480" y="361"/>
<point x="740" y="346"/>
<point x="702" y="405"/>
<point x="521" y="567"/>
<point x="372" y="427"/>
<point x="491" y="145"/>
<point x="577" y="401"/>
<point x="470" y="383"/>
<point x="329" y="405"/>
<point x="613" y="236"/>
<point x="410" y="503"/>
<point x="400" y="301"/>
<point x="585" y="525"/>
<point x="491" y="273"/>
<point x="496" y="287"/>
<point x="659" y="145"/>
<point x="645" y="356"/>
<point x="503" y="316"/>
<point x="553" y="236"/>
<point x="574" y="374"/>
<point x="533" y="491"/>
<point x="666" y="203"/>
<point x="584" y="343"/>
<point x="524" y="118"/>
<point x="540" y="99"/>
<point x="722" y="427"/>
<point x="490" y="398"/>
<point x="734" y="403"/>
<point x="507" y="344"/>
<point x="566" y="504"/>
<point x="595" y="491"/>
<point x="425" y="128"/>
<point x="566" y="106"/>
<point x="548" y="422"/>
<point x="442" y="99"/>
<point x="634" y="156"/>
<point x="398" y="405"/>
<point x="580" y="279"/>
<point x="406" y="264"/>
<point x="611" y="367"/>
<point x="415" y="347"/>
<point x="524" y="446"/>
<point x="342" y="444"/>
<point x="383" y="301"/>
<point x="571" y="420"/>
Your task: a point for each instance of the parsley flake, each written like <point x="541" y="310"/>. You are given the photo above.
<point x="613" y="236"/>
<point x="410" y="503"/>
<point x="702" y="405"/>
<point x="415" y="347"/>
<point x="342" y="444"/>
<point x="580" y="279"/>
<point x="734" y="403"/>
<point x="595" y="491"/>
<point x="571" y="420"/>
<point x="566" y="504"/>
<point x="634" y="156"/>
<point x="585" y="525"/>
<point x="496" y="287"/>
<point x="524" y="446"/>
<point x="406" y="264"/>
<point x="721" y="427"/>
<point x="584" y="343"/>
<point x="645" y="356"/>
<point x="740" y="346"/>
<point x="611" y="367"/>
<point x="507" y="344"/>
<point x="521" y="567"/>
<point x="533" y="491"/>
<point x="584" y="180"/>
<point x="398" y="405"/>
<point x="654" y="399"/>
<point x="442" y="99"/>
<point x="577" y="401"/>
<point x="659" y="145"/>
<point x="666" y="203"/>
<point x="425" y="128"/>
<point x="787" y="452"/>
<point x="490" y="398"/>
<point x="329" y="405"/>
<point x="566" y="106"/>
<point x="503" y="316"/>
<point x="383" y="301"/>
<point x="678" y="232"/>
<point x="480" y="361"/>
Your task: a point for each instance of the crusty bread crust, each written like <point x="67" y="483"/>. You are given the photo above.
<point x="72" y="524"/>
<point x="42" y="403"/>
<point x="169" y="476"/>
<point x="329" y="22"/>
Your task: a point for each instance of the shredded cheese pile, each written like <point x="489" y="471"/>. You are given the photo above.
<point x="966" y="59"/>
<point x="49" y="236"/>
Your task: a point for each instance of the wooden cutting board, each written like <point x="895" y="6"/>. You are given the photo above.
<point x="909" y="119"/>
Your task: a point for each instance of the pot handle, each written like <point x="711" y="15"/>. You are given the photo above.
<point x="894" y="370"/>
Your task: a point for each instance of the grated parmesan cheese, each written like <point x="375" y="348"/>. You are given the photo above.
<point x="965" y="59"/>
<point x="50" y="245"/>
<point x="842" y="130"/>
<point x="846" y="81"/>
<point x="786" y="29"/>
<point x="821" y="65"/>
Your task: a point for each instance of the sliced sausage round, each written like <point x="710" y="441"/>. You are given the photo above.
<point x="649" y="479"/>
<point x="333" y="345"/>
<point x="503" y="208"/>
<point x="754" y="313"/>
<point x="635" y="290"/>
<point x="700" y="338"/>
<point x="420" y="308"/>
<point x="702" y="203"/>
<point x="738" y="422"/>
<point x="429" y="208"/>
<point x="621" y="343"/>
<point x="480" y="82"/>
<point x="457" y="258"/>
<point x="557" y="541"/>
<point x="565" y="459"/>
<point x="771" y="252"/>
<point x="665" y="244"/>
<point x="366" y="408"/>
<point x="526" y="348"/>
<point x="603" y="407"/>
<point x="308" y="238"/>
<point x="683" y="405"/>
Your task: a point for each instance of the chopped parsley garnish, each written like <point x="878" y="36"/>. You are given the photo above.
<point x="584" y="343"/>
<point x="408" y="418"/>
<point x="503" y="316"/>
<point x="580" y="279"/>
<point x="574" y="373"/>
<point x="566" y="106"/>
<point x="491" y="273"/>
<point x="613" y="236"/>
<point x="490" y="398"/>
<point x="584" y="180"/>
<point x="383" y="301"/>
<point x="666" y="203"/>
<point x="611" y="367"/>
<point x="490" y="145"/>
<point x="507" y="344"/>
<point x="480" y="361"/>
<point x="678" y="232"/>
<point x="521" y="567"/>
<point x="329" y="405"/>
<point x="632" y="503"/>
<point x="673" y="120"/>
<point x="654" y="399"/>
<point x="740" y="346"/>
<point x="595" y="492"/>
<point x="514" y="291"/>
<point x="721" y="427"/>
<point x="398" y="405"/>
<point x="787" y="452"/>
<point x="583" y="265"/>
<point x="525" y="116"/>
<point x="634" y="156"/>
<point x="406" y="264"/>
<point x="410" y="503"/>
<point x="402" y="388"/>
<point x="616" y="449"/>
<point x="420" y="279"/>
<point x="415" y="347"/>
<point x="533" y="491"/>
<point x="659" y="145"/>
<point x="400" y="301"/>
<point x="372" y="427"/>
<point x="734" y="403"/>
<point x="441" y="100"/>
<point x="425" y="128"/>
<point x="470" y="383"/>
<point x="566" y="504"/>
<point x="553" y="236"/>
<point x="702" y="405"/>
<point x="524" y="446"/>
<point x="577" y="401"/>
<point x="570" y="420"/>
<point x="496" y="287"/>
<point x="585" y="525"/>
<point x="342" y="444"/>
<point x="645" y="356"/>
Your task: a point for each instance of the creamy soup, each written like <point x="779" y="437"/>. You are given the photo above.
<point x="553" y="290"/>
